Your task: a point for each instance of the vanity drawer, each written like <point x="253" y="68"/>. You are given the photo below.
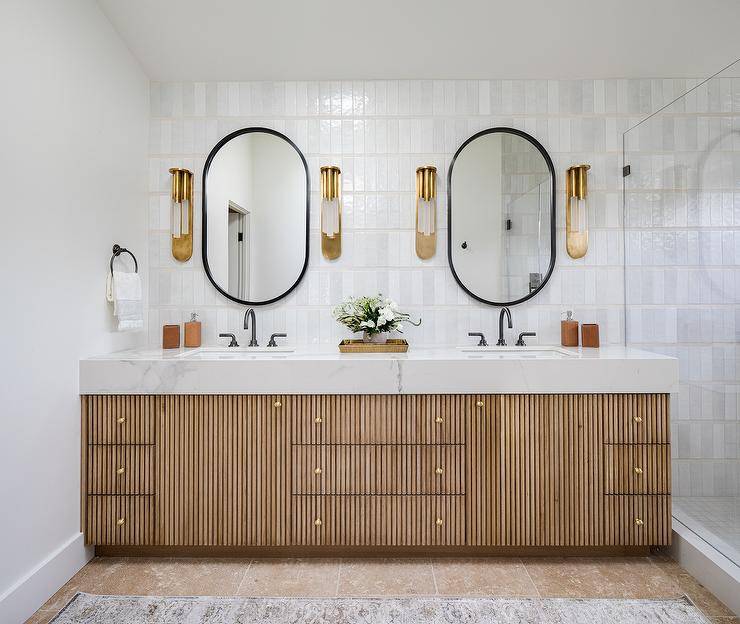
<point x="378" y="520"/>
<point x="120" y="469"/>
<point x="119" y="520"/>
<point x="121" y="419"/>
<point x="637" y="520"/>
<point x="373" y="469"/>
<point x="379" y="419"/>
<point x="636" y="418"/>
<point x="637" y="468"/>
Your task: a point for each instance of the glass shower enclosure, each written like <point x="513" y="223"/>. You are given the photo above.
<point x="682" y="287"/>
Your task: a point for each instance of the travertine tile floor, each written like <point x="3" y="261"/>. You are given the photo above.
<point x="588" y="577"/>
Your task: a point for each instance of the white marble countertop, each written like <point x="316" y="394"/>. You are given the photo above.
<point x="420" y="371"/>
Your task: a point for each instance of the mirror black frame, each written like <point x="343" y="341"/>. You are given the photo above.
<point x="204" y="223"/>
<point x="553" y="229"/>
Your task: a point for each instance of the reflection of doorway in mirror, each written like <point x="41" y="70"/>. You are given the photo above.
<point x="239" y="251"/>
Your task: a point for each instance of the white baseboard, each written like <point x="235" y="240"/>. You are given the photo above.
<point x="712" y="569"/>
<point x="20" y="602"/>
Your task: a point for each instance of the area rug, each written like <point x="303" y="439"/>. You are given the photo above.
<point x="92" y="609"/>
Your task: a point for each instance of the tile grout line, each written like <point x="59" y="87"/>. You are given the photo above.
<point x="529" y="576"/>
<point x="244" y="576"/>
<point x="434" y="577"/>
<point x="339" y="576"/>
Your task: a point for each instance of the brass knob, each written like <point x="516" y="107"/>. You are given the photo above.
<point x="438" y="419"/>
<point x="638" y="470"/>
<point x="317" y="471"/>
<point x="439" y="522"/>
<point x="120" y="470"/>
<point x="121" y="521"/>
<point x="121" y="420"/>
<point x="318" y="522"/>
<point x="277" y="404"/>
<point x="638" y="419"/>
<point x="479" y="403"/>
<point x="639" y="522"/>
<point x="439" y="471"/>
<point x="317" y="419"/>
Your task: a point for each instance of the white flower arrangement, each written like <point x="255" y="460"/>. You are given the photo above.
<point x="372" y="315"/>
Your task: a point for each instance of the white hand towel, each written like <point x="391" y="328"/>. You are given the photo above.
<point x="127" y="301"/>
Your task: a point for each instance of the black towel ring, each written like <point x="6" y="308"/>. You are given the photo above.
<point x="117" y="251"/>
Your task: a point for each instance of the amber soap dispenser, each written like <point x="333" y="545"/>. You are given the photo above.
<point x="569" y="330"/>
<point x="192" y="331"/>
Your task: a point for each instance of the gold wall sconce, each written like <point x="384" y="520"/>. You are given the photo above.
<point x="426" y="211"/>
<point x="576" y="210"/>
<point x="181" y="214"/>
<point x="331" y="212"/>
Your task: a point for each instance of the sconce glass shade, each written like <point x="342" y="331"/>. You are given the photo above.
<point x="576" y="211"/>
<point x="426" y="211"/>
<point x="331" y="212"/>
<point x="181" y="213"/>
<point x="330" y="209"/>
<point x="578" y="214"/>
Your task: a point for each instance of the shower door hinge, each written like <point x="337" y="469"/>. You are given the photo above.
<point x="626" y="170"/>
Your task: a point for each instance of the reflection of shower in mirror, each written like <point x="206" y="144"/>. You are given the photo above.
<point x="501" y="216"/>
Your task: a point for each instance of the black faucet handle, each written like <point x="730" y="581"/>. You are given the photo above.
<point x="233" y="342"/>
<point x="522" y="336"/>
<point x="272" y="342"/>
<point x="482" y="342"/>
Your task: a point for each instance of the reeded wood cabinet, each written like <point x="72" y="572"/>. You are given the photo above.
<point x="395" y="471"/>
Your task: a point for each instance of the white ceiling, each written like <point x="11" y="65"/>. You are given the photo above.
<point x="319" y="39"/>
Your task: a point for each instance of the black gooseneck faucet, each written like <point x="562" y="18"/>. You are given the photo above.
<point x="501" y="342"/>
<point x="250" y="313"/>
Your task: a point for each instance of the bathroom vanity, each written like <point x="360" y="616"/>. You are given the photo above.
<point x="439" y="450"/>
<point x="448" y="450"/>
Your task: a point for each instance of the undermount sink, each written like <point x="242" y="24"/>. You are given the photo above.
<point x="537" y="353"/>
<point x="236" y="353"/>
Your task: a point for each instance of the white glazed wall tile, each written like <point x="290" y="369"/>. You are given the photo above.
<point x="378" y="132"/>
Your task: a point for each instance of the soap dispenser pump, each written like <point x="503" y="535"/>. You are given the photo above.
<point x="569" y="330"/>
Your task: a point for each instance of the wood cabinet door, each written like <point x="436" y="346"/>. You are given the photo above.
<point x="223" y="471"/>
<point x="535" y="471"/>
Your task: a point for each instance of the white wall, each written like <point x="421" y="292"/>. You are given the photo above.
<point x="73" y="132"/>
<point x="264" y="175"/>
<point x="229" y="178"/>
<point x="278" y="227"/>
<point x="479" y="218"/>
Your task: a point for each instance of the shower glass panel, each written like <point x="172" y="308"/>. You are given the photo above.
<point x="682" y="280"/>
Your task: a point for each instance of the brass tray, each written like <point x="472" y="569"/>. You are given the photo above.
<point x="393" y="345"/>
